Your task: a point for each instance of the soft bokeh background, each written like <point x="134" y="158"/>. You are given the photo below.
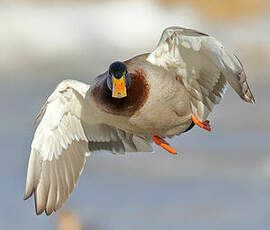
<point x="221" y="180"/>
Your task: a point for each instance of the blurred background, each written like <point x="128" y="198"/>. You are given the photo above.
<point x="220" y="180"/>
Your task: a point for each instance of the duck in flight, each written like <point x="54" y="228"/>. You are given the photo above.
<point x="134" y="103"/>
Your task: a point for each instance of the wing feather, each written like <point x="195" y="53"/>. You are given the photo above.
<point x="58" y="149"/>
<point x="204" y="65"/>
<point x="62" y="141"/>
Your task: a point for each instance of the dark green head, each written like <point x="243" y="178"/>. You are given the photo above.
<point x="118" y="79"/>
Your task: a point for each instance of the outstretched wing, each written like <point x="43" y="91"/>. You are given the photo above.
<point x="59" y="148"/>
<point x="61" y="143"/>
<point x="203" y="66"/>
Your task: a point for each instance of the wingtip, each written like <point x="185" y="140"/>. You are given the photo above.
<point x="27" y="195"/>
<point x="48" y="213"/>
<point x="253" y="101"/>
<point x="38" y="213"/>
<point x="249" y="100"/>
<point x="248" y="97"/>
<point x="39" y="208"/>
<point x="246" y="92"/>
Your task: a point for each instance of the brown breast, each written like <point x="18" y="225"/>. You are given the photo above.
<point x="137" y="95"/>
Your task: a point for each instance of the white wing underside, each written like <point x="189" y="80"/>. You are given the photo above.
<point x="61" y="144"/>
<point x="203" y="65"/>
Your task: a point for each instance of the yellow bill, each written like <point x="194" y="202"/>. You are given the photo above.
<point x="119" y="87"/>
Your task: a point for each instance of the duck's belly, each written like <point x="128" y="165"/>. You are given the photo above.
<point x="167" y="111"/>
<point x="162" y="125"/>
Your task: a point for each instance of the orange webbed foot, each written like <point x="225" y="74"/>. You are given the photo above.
<point x="163" y="144"/>
<point x="205" y="124"/>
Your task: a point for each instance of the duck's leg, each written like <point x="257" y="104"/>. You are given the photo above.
<point x="164" y="144"/>
<point x="204" y="125"/>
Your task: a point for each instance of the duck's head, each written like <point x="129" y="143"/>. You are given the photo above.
<point x="118" y="79"/>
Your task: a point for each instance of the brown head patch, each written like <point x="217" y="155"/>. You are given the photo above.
<point x="137" y="95"/>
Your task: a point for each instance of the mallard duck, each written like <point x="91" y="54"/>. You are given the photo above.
<point x="134" y="103"/>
